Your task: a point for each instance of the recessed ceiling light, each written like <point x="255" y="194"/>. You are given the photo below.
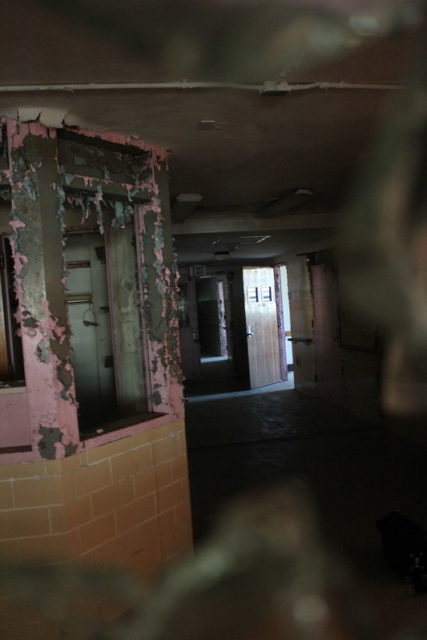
<point x="221" y="255"/>
<point x="206" y="125"/>
<point x="184" y="205"/>
<point x="189" y="197"/>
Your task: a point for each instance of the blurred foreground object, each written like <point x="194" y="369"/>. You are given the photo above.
<point x="263" y="574"/>
<point x="384" y="246"/>
<point x="238" y="41"/>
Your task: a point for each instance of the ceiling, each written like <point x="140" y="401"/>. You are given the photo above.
<point x="253" y="100"/>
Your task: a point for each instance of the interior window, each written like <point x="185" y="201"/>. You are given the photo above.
<point x="104" y="318"/>
<point x="11" y="360"/>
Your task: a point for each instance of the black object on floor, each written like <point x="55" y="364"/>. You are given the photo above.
<point x="405" y="548"/>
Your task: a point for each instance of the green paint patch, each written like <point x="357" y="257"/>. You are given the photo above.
<point x="132" y="193"/>
<point x="79" y="161"/>
<point x="154" y="366"/>
<point x="28" y="321"/>
<point x="156" y="398"/>
<point x="49" y="437"/>
<point x="65" y="377"/>
<point x="29" y="188"/>
<point x="70" y="449"/>
<point x="69" y="178"/>
<point x="43" y="351"/>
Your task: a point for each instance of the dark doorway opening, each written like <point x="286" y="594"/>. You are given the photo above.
<point x="212" y="315"/>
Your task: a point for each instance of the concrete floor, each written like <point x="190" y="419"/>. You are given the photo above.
<point x="356" y="473"/>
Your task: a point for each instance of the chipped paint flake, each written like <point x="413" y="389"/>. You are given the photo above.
<point x="51" y="441"/>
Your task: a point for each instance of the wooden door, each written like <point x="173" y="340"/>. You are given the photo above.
<point x="261" y="326"/>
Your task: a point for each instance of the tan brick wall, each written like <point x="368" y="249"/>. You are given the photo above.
<point x="122" y="504"/>
<point x="103" y="503"/>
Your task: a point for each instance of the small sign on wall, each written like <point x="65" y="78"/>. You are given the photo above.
<point x="197" y="270"/>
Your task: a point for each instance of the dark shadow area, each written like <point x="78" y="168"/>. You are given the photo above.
<point x="355" y="471"/>
<point x="217" y="375"/>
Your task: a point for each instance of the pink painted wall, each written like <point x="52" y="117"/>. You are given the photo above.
<point x="46" y="416"/>
<point x="14" y="418"/>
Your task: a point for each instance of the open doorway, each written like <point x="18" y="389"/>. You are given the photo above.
<point x="212" y="315"/>
<point x="212" y="331"/>
<point x="215" y="346"/>
<point x="216" y="331"/>
<point x="268" y="326"/>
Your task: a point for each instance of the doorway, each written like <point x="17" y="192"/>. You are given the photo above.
<point x="212" y="317"/>
<point x="215" y="336"/>
<point x="262" y="327"/>
<point x="224" y="314"/>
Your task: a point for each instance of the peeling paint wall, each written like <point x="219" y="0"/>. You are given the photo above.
<point x="160" y="294"/>
<point x="37" y="252"/>
<point x="117" y="495"/>
<point x="48" y="171"/>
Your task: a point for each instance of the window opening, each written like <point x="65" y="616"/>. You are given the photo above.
<point x="104" y="314"/>
<point x="213" y="335"/>
<point x="11" y="358"/>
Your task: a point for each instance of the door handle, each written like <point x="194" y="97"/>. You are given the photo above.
<point x="249" y="332"/>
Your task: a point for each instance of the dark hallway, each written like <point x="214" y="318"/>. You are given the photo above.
<point x="355" y="471"/>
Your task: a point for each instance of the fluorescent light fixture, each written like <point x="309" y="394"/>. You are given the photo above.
<point x="248" y="240"/>
<point x="221" y="255"/>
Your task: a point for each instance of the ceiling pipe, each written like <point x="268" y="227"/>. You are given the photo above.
<point x="270" y="87"/>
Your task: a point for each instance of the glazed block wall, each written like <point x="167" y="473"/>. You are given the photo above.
<point x="124" y="504"/>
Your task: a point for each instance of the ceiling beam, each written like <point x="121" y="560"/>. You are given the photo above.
<point x="242" y="223"/>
